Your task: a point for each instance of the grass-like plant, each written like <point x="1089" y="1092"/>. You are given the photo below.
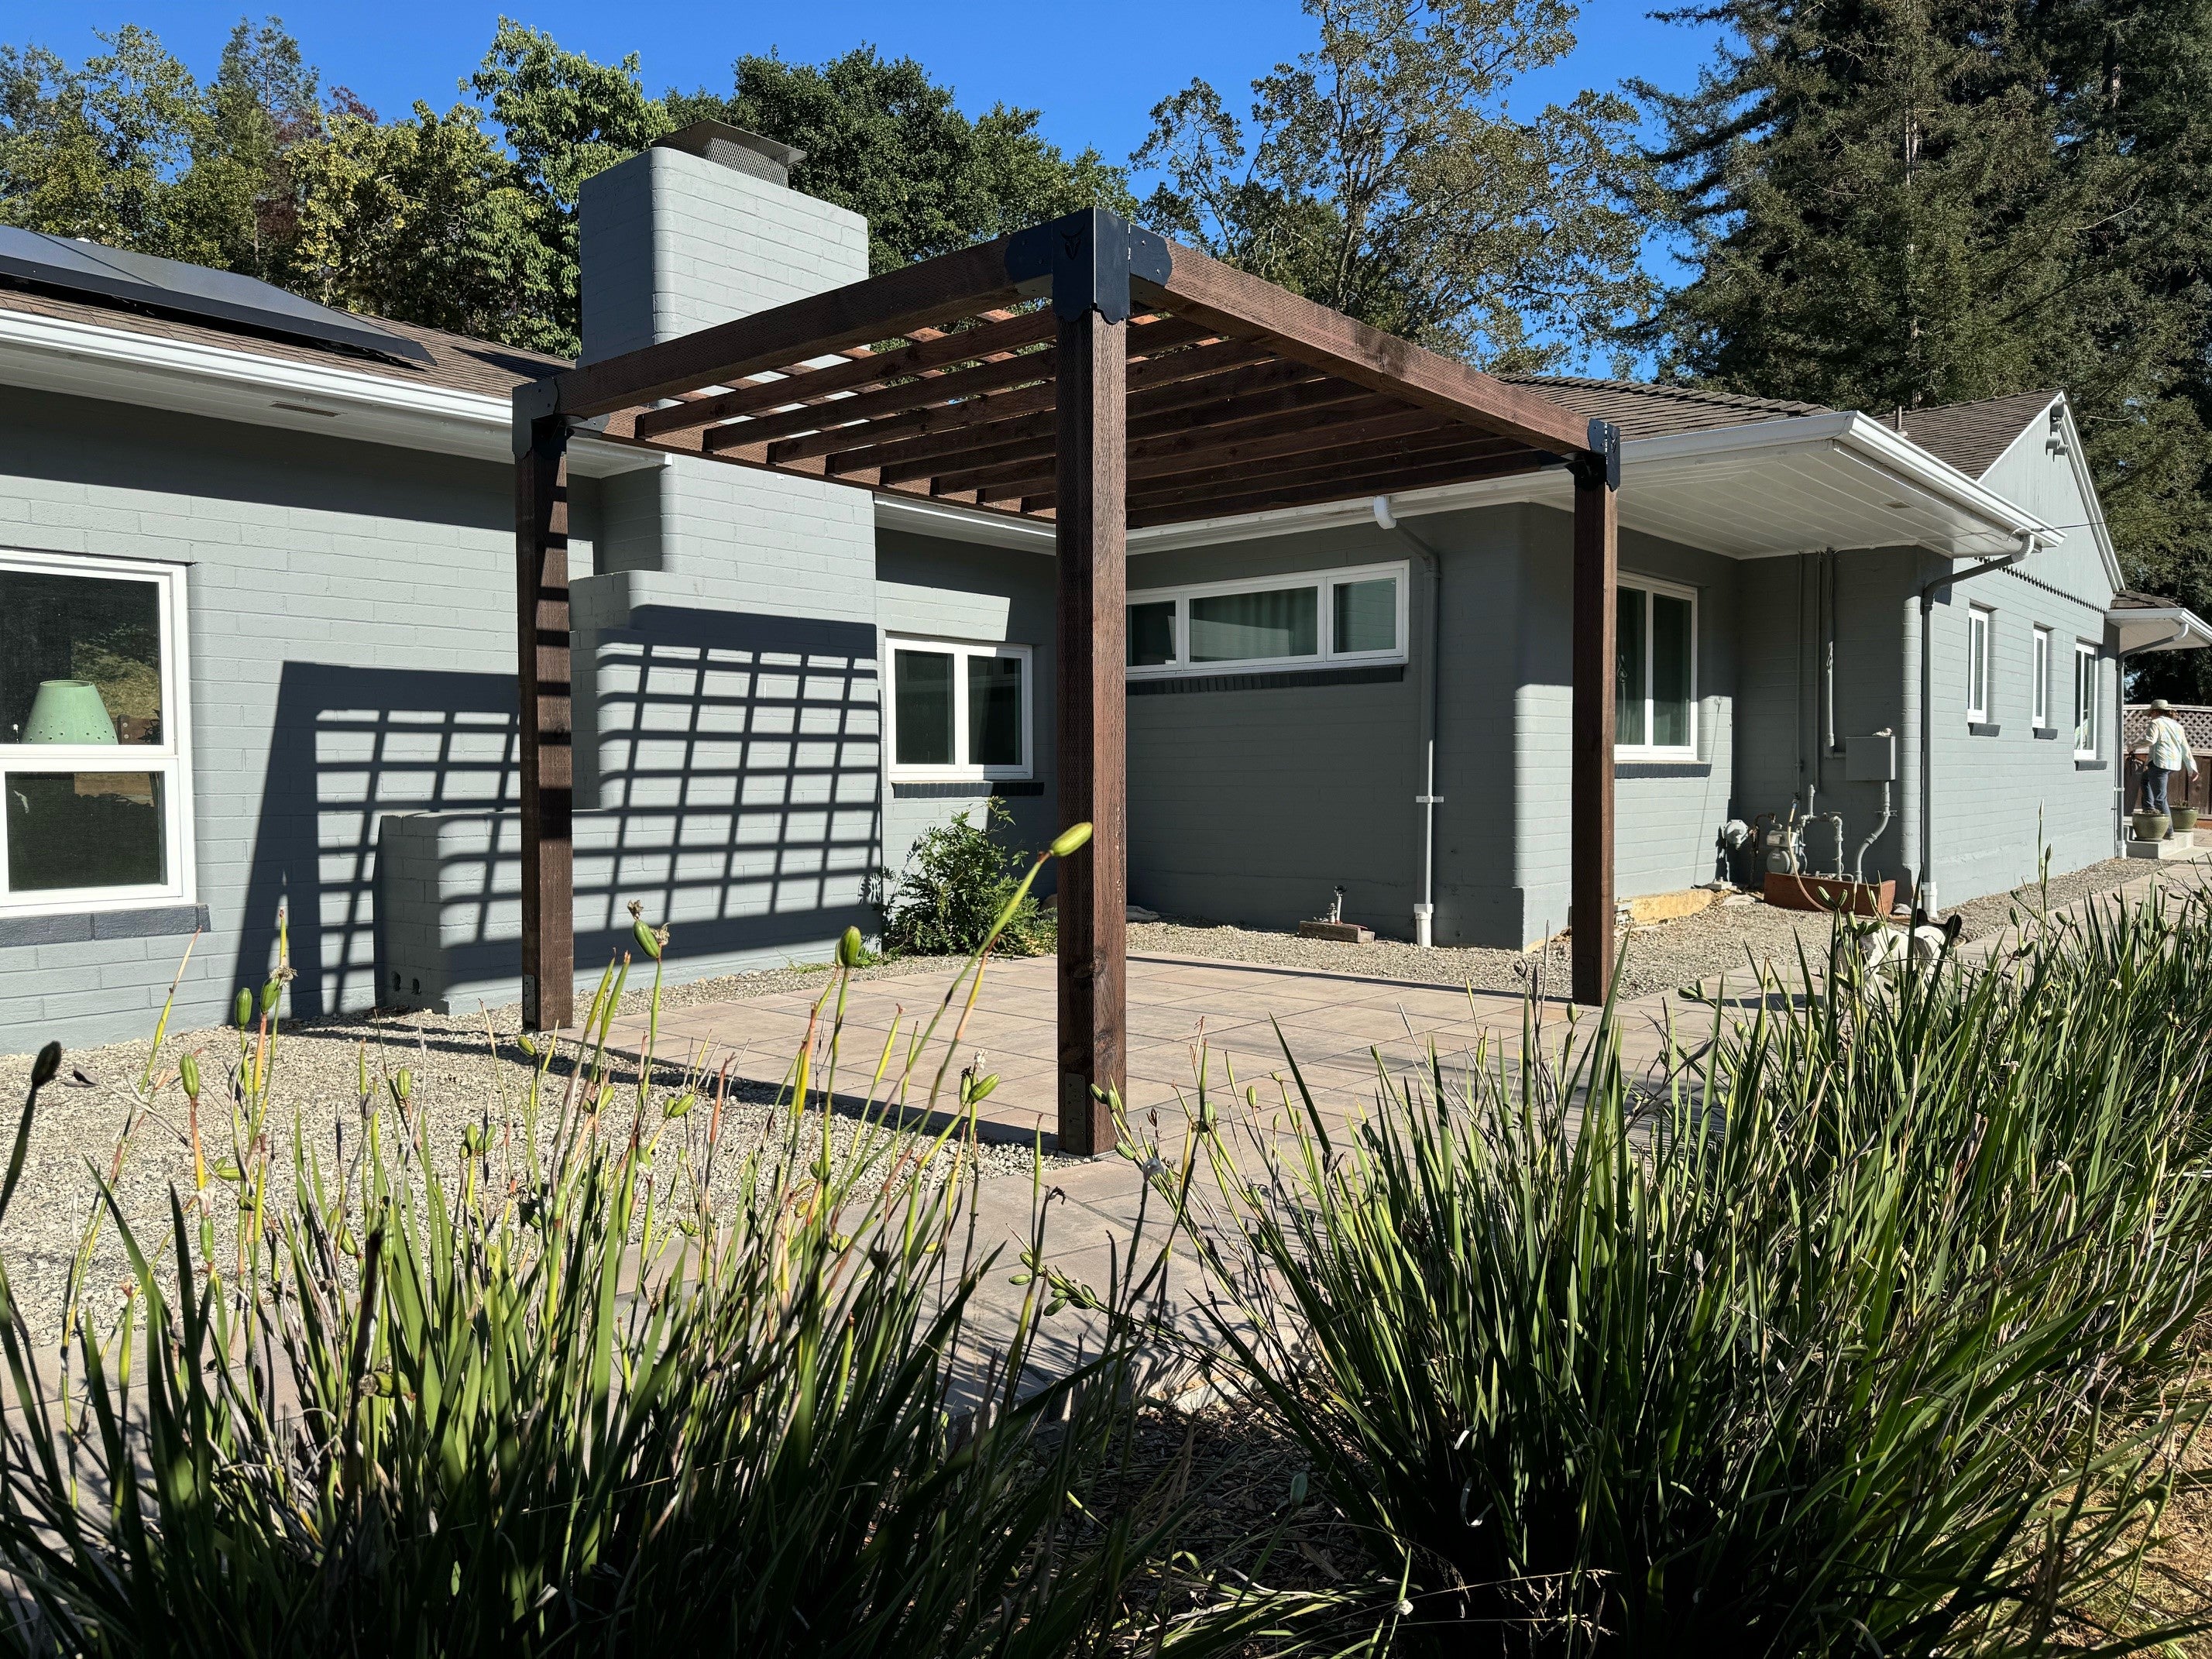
<point x="561" y="1403"/>
<point x="1868" y="1327"/>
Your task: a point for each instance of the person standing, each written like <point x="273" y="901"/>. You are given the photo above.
<point x="2165" y="752"/>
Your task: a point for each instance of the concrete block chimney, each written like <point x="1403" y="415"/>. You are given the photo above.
<point x="701" y="228"/>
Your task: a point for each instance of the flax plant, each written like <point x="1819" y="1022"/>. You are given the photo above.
<point x="1869" y="1325"/>
<point x="561" y="1403"/>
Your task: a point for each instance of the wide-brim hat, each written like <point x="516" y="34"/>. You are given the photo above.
<point x="2160" y="706"/>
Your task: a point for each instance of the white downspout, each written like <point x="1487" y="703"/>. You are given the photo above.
<point x="1424" y="912"/>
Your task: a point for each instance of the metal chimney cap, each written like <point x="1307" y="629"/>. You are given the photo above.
<point x="736" y="148"/>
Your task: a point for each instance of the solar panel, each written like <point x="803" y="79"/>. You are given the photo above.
<point x="171" y="285"/>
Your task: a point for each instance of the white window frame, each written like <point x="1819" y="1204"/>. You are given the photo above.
<point x="1981" y="631"/>
<point x="1649" y="586"/>
<point x="170" y="759"/>
<point x="962" y="771"/>
<point x="2093" y="656"/>
<point x="2042" y="694"/>
<point x="1325" y="582"/>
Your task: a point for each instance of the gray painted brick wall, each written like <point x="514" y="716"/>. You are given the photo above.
<point x="350" y="614"/>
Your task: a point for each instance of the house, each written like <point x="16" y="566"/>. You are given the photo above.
<point x="280" y="543"/>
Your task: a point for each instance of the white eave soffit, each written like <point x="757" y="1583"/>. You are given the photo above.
<point x="117" y="365"/>
<point x="1767" y="490"/>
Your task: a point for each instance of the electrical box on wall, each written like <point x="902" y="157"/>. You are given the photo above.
<point x="1871" y="759"/>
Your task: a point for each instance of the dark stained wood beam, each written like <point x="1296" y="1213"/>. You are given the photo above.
<point x="545" y="702"/>
<point x="1265" y="497"/>
<point x="1238" y="305"/>
<point x="852" y="447"/>
<point x="1091" y="544"/>
<point x="890" y="307"/>
<point x="800" y="382"/>
<point x="1357" y="463"/>
<point x="1199" y="406"/>
<point x="847" y="414"/>
<point x="1590" y="897"/>
<point x="1344" y="432"/>
<point x="981" y="437"/>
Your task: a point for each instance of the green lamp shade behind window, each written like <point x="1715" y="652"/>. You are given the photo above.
<point x="68" y="711"/>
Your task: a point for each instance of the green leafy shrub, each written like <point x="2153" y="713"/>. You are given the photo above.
<point x="1870" y="1329"/>
<point x="561" y="1403"/>
<point x="959" y="878"/>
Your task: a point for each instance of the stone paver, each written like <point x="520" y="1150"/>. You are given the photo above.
<point x="1334" y="1024"/>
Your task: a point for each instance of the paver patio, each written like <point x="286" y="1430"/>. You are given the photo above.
<point x="1335" y="1025"/>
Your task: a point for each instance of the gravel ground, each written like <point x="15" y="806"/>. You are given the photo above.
<point x="463" y="1069"/>
<point x="1661" y="956"/>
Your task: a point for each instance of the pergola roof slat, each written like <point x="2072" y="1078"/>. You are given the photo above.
<point x="799" y="381"/>
<point x="946" y="289"/>
<point x="1231" y="385"/>
<point x="1238" y="304"/>
<point x="853" y="446"/>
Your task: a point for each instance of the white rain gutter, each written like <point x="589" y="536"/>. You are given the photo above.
<point x="1845" y="431"/>
<point x="249" y="386"/>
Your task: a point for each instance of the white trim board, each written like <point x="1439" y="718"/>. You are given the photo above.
<point x="119" y="365"/>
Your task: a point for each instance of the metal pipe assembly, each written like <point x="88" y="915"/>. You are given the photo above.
<point x="1424" y="912"/>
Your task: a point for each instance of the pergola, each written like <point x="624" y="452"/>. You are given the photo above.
<point x="1157" y="386"/>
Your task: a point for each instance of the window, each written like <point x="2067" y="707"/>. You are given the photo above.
<point x="959" y="711"/>
<point x="1978" y="618"/>
<point x="2085" y="702"/>
<point x="92" y="770"/>
<point x="1654" y="685"/>
<point x="1304" y="620"/>
<point x="2043" y="679"/>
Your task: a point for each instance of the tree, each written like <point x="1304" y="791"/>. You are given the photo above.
<point x="1381" y="174"/>
<point x="885" y="140"/>
<point x="467" y="220"/>
<point x="1894" y="203"/>
<point x="564" y="118"/>
<point x="94" y="152"/>
<point x="425" y="221"/>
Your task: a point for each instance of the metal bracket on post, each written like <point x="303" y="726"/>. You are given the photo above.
<point x="1085" y="261"/>
<point x="534" y="401"/>
<point x="1601" y="462"/>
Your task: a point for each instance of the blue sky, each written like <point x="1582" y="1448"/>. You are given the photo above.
<point x="1095" y="70"/>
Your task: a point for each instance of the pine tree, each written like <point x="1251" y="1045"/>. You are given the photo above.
<point x="1897" y="203"/>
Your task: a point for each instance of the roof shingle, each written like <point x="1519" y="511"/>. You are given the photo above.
<point x="1971" y="436"/>
<point x="457" y="362"/>
<point x="1655" y="409"/>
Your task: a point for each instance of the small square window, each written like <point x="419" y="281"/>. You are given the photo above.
<point x="959" y="711"/>
<point x="1151" y="633"/>
<point x="1366" y="616"/>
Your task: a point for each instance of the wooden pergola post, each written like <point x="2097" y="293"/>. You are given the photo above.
<point x="1596" y="579"/>
<point x="542" y="658"/>
<point x="1162" y="387"/>
<point x="1089" y="259"/>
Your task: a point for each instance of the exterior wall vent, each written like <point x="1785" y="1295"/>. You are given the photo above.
<point x="733" y="147"/>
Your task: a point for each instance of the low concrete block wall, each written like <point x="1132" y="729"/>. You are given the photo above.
<point x="449" y="909"/>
